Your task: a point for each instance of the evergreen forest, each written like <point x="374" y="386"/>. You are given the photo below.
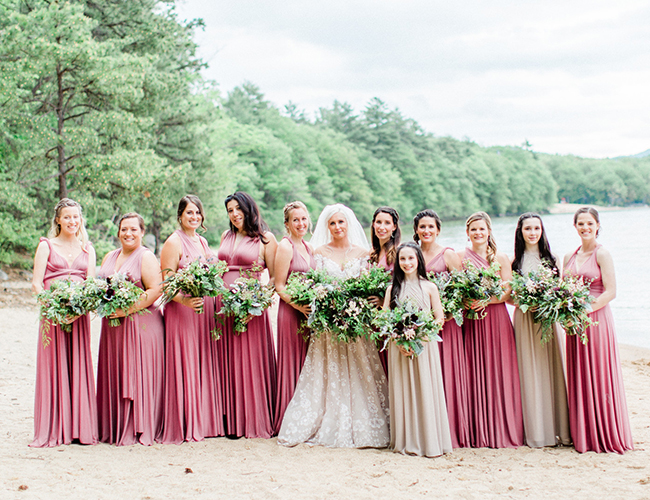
<point x="103" y="101"/>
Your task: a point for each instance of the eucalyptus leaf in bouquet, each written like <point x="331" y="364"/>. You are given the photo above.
<point x="372" y="281"/>
<point x="477" y="284"/>
<point x="198" y="279"/>
<point x="451" y="297"/>
<point x="407" y="326"/>
<point x="64" y="299"/>
<point x="246" y="297"/>
<point x="552" y="299"/>
<point x="115" y="292"/>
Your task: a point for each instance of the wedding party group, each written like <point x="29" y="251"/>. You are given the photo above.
<point x="173" y="368"/>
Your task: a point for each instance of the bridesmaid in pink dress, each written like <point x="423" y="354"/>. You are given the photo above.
<point x="65" y="406"/>
<point x="439" y="259"/>
<point x="597" y="407"/>
<point x="385" y="235"/>
<point x="294" y="255"/>
<point x="248" y="368"/>
<point x="130" y="371"/>
<point x="496" y="418"/>
<point x="193" y="407"/>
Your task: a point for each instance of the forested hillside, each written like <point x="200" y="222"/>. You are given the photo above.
<point x="104" y="102"/>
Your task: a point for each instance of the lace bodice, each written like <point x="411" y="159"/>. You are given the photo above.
<point x="350" y="269"/>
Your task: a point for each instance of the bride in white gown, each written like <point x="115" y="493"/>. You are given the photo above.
<point x="341" y="399"/>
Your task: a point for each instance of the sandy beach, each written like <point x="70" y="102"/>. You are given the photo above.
<point x="257" y="468"/>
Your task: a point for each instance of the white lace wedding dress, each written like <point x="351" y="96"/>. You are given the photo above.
<point x="341" y="399"/>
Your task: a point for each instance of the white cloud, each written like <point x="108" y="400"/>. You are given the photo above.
<point x="570" y="77"/>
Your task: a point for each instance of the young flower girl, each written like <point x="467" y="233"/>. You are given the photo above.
<point x="418" y="413"/>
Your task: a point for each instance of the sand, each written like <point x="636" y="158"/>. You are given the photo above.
<point x="258" y="468"/>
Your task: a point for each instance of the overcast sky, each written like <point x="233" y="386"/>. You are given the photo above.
<point x="568" y="76"/>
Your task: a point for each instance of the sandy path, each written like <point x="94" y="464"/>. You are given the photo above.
<point x="257" y="468"/>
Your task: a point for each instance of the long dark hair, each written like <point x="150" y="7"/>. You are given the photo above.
<point x="392" y="243"/>
<point x="254" y="225"/>
<point x="398" y="273"/>
<point x="520" y="244"/>
<point x="182" y="205"/>
<point x="421" y="215"/>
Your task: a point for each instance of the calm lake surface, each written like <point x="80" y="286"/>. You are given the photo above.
<point x="625" y="233"/>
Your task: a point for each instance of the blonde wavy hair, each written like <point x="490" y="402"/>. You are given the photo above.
<point x="289" y="208"/>
<point x="491" y="244"/>
<point x="55" y="227"/>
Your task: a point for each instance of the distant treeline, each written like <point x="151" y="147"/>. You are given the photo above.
<point x="104" y="102"/>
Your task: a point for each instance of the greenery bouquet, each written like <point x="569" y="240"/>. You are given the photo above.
<point x="372" y="281"/>
<point x="246" y="297"/>
<point x="106" y="295"/>
<point x="477" y="284"/>
<point x="199" y="279"/>
<point x="65" y="299"/>
<point x="451" y="296"/>
<point x="407" y="326"/>
<point x="552" y="299"/>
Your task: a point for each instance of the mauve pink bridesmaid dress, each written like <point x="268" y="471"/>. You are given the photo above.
<point x="597" y="406"/>
<point x="496" y="418"/>
<point x="454" y="370"/>
<point x="130" y="369"/>
<point x="248" y="371"/>
<point x="291" y="344"/>
<point x="65" y="406"/>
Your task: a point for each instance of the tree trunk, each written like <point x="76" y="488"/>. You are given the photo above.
<point x="61" y="162"/>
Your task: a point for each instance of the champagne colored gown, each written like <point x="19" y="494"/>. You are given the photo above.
<point x="291" y="343"/>
<point x="341" y="399"/>
<point x="496" y="419"/>
<point x="130" y="369"/>
<point x="418" y="413"/>
<point x="454" y="370"/>
<point x="65" y="407"/>
<point x="383" y="355"/>
<point x="597" y="405"/>
<point x="193" y="405"/>
<point x="248" y="370"/>
<point x="541" y="373"/>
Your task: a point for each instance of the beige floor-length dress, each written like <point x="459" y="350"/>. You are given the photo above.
<point x="418" y="411"/>
<point x="541" y="372"/>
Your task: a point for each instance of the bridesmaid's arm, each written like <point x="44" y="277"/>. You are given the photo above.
<point x="40" y="264"/>
<point x="270" y="249"/>
<point x="92" y="262"/>
<point x="452" y="260"/>
<point x="608" y="275"/>
<point x="506" y="276"/>
<point x="151" y="280"/>
<point x="389" y="290"/>
<point x="436" y="304"/>
<point x="282" y="264"/>
<point x="567" y="257"/>
<point x="170" y="256"/>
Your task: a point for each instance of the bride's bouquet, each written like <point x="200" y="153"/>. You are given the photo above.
<point x="199" y="279"/>
<point x="477" y="284"/>
<point x="372" y="281"/>
<point x="245" y="298"/>
<point x="65" y="299"/>
<point x="451" y="296"/>
<point x="107" y="295"/>
<point x="407" y="326"/>
<point x="552" y="300"/>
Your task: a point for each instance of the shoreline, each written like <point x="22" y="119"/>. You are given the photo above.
<point x="259" y="468"/>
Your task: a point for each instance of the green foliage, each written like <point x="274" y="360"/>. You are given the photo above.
<point x="103" y="101"/>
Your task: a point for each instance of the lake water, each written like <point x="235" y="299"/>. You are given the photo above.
<point x="625" y="233"/>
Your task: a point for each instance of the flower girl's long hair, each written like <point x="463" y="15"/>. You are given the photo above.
<point x="398" y="274"/>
